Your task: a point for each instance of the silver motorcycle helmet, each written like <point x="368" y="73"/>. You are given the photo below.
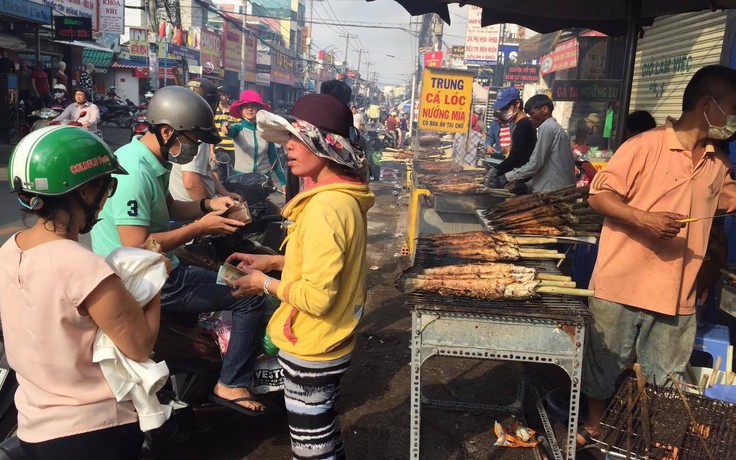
<point x="183" y="110"/>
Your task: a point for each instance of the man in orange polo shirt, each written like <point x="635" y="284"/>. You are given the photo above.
<point x="644" y="278"/>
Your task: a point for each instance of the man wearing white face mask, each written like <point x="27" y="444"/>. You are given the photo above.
<point x="179" y="121"/>
<point x="644" y="278"/>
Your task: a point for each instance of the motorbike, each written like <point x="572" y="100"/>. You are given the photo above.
<point x="190" y="349"/>
<point x="190" y="346"/>
<point x="140" y="126"/>
<point x="98" y="132"/>
<point x="119" y="114"/>
<point x="10" y="448"/>
<point x="584" y="171"/>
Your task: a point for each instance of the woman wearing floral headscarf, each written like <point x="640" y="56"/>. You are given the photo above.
<point x="323" y="282"/>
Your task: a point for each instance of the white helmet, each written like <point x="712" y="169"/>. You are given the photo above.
<point x="60" y="87"/>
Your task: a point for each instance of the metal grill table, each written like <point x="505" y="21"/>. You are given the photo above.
<point x="548" y="330"/>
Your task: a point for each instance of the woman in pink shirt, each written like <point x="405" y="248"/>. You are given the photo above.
<point x="55" y="295"/>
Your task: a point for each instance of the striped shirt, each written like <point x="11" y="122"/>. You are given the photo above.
<point x="505" y="138"/>
<point x="221" y="116"/>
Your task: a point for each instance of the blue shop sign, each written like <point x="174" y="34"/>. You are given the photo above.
<point x="26" y="10"/>
<point x="184" y="52"/>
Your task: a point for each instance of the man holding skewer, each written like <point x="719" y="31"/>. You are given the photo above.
<point x="658" y="195"/>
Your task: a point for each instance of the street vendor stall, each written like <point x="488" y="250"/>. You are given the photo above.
<point x="464" y="308"/>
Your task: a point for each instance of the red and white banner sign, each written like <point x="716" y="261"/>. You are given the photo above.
<point x="565" y="56"/>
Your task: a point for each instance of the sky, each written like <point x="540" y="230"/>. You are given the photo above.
<point x="379" y="45"/>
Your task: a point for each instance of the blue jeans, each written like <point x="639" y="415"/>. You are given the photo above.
<point x="194" y="290"/>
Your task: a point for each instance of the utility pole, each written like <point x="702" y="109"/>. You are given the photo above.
<point x="347" y="43"/>
<point x="356" y="87"/>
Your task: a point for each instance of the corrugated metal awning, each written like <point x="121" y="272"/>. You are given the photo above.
<point x="127" y="64"/>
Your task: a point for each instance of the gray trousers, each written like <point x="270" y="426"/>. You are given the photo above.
<point x="663" y="344"/>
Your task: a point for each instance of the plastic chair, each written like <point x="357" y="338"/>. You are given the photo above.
<point x="714" y="340"/>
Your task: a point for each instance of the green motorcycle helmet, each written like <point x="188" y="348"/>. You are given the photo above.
<point x="56" y="160"/>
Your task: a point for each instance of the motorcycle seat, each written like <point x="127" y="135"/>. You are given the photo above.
<point x="197" y="366"/>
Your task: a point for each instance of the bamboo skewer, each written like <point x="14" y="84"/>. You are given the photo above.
<point x="714" y="374"/>
<point x="731" y="377"/>
<point x="564" y="291"/>
<point x="548" y="277"/>
<point x="644" y="408"/>
<point x="530" y="240"/>
<point x="534" y="255"/>
<point x="562" y="284"/>
<point x="692" y="417"/>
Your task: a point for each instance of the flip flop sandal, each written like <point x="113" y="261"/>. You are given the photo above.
<point x="589" y="443"/>
<point x="233" y="404"/>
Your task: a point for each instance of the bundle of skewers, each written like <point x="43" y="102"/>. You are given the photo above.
<point x="487" y="246"/>
<point x="463" y="183"/>
<point x="562" y="213"/>
<point x="437" y="166"/>
<point x="488" y="281"/>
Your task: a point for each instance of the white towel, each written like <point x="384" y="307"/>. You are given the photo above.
<point x="143" y="273"/>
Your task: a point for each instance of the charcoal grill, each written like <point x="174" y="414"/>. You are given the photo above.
<point x="549" y="329"/>
<point x="670" y="425"/>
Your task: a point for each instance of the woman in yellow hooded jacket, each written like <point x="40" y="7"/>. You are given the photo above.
<point x="323" y="282"/>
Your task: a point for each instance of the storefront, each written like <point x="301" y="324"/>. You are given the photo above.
<point x="668" y="55"/>
<point x="20" y="22"/>
<point x="283" y="79"/>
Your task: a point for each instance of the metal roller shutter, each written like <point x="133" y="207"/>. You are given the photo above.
<point x="670" y="52"/>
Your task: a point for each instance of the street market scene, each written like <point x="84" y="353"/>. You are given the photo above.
<point x="367" y="229"/>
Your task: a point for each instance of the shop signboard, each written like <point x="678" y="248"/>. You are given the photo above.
<point x="142" y="72"/>
<point x="586" y="90"/>
<point x="75" y="8"/>
<point x="251" y="51"/>
<point x="282" y="67"/>
<point x="263" y="65"/>
<point x="111" y="16"/>
<point x="565" y="56"/>
<point x="231" y="43"/>
<point x="25" y="9"/>
<point x="210" y="49"/>
<point x="508" y="54"/>
<point x="138" y="43"/>
<point x="492" y="96"/>
<point x="433" y="59"/>
<point x="277" y="9"/>
<point x="72" y="28"/>
<point x="524" y="73"/>
<point x="481" y="43"/>
<point x="458" y="52"/>
<point x="183" y="51"/>
<point x="592" y="60"/>
<point x="445" y="101"/>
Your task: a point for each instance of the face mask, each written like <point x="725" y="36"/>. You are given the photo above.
<point x="186" y="154"/>
<point x="721" y="132"/>
<point x="58" y="95"/>
<point x="509" y="114"/>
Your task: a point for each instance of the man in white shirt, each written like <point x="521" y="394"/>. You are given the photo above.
<point x="357" y="119"/>
<point x="82" y="111"/>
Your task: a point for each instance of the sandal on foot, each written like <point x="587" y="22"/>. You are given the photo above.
<point x="233" y="404"/>
<point x="560" y="432"/>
